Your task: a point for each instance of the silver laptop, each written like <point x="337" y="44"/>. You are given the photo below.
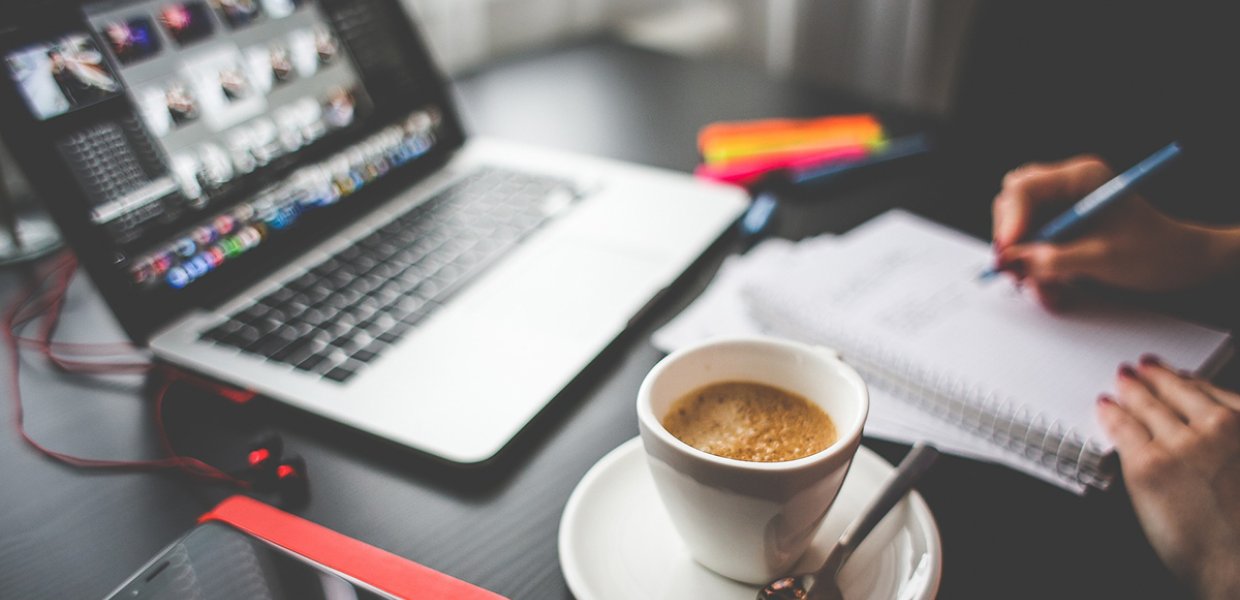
<point x="279" y="194"/>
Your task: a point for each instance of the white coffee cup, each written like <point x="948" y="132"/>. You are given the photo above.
<point x="746" y="520"/>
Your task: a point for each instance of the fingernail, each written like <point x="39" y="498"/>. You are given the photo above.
<point x="1126" y="370"/>
<point x="1150" y="360"/>
<point x="1105" y="399"/>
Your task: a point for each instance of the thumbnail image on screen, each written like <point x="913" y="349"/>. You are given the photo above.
<point x="277" y="9"/>
<point x="238" y="13"/>
<point x="181" y="104"/>
<point x="131" y="40"/>
<point x="186" y="22"/>
<point x="62" y="75"/>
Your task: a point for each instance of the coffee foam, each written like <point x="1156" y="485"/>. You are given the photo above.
<point x="750" y="421"/>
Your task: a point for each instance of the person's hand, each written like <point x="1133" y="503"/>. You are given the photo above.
<point x="1178" y="440"/>
<point x="1131" y="246"/>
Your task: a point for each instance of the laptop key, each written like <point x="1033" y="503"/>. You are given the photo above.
<point x="371" y="351"/>
<point x="344" y="371"/>
<point x="313" y="316"/>
<point x="223" y="330"/>
<point x="395" y="332"/>
<point x="266" y="326"/>
<point x="270" y="344"/>
<point x="279" y="296"/>
<point x="344" y="338"/>
<point x="244" y="336"/>
<point x="331" y="304"/>
<point x="311" y="363"/>
<point x="364" y="262"/>
<point x="365" y="355"/>
<point x="350" y="253"/>
<point x="251" y="313"/>
<point x="319" y="293"/>
<point x="360" y="340"/>
<point x="385" y="270"/>
<point x="301" y="350"/>
<point x="295" y="329"/>
<point x="389" y="292"/>
<point x="283" y="354"/>
<point x="332" y="356"/>
<point x="351" y="295"/>
<point x="302" y="283"/>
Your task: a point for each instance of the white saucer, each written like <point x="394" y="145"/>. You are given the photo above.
<point x="617" y="542"/>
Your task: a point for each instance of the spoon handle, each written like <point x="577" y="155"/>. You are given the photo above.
<point x="914" y="465"/>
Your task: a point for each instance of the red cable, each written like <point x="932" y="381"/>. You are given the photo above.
<point x="27" y="308"/>
<point x="53" y="300"/>
<point x="52" y="319"/>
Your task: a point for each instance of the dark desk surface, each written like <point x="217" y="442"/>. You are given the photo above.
<point x="71" y="534"/>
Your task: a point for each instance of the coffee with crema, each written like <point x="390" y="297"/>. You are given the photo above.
<point x="750" y="421"/>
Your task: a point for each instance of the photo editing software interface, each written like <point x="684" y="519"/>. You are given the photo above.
<point x="222" y="94"/>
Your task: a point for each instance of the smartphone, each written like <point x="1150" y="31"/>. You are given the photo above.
<point x="215" y="561"/>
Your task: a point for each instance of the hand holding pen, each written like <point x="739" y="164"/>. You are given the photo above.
<point x="1127" y="243"/>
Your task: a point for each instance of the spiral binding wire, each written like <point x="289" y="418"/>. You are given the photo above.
<point x="984" y="412"/>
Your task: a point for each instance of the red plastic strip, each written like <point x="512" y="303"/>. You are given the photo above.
<point x="393" y="574"/>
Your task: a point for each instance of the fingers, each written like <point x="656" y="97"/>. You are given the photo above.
<point x="1125" y="431"/>
<point x="1147" y="408"/>
<point x="1030" y="186"/>
<point x="1226" y="398"/>
<point x="1086" y="258"/>
<point x="1185" y="396"/>
<point x="1023" y="190"/>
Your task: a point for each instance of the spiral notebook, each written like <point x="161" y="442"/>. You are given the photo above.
<point x="901" y="301"/>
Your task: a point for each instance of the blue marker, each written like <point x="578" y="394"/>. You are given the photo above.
<point x="1070" y="222"/>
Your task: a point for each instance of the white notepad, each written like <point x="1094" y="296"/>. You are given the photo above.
<point x="901" y="301"/>
<point x="721" y="311"/>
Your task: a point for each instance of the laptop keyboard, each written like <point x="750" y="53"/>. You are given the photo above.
<point x="344" y="312"/>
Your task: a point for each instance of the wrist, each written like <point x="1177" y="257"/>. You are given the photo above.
<point x="1219" y="579"/>
<point x="1223" y="251"/>
<point x="1212" y="253"/>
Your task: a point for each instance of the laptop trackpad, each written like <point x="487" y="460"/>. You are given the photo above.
<point x="484" y="365"/>
<point x="567" y="288"/>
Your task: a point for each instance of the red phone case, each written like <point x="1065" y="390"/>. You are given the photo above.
<point x="386" y="571"/>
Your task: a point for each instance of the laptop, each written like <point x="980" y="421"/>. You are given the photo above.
<point x="280" y="194"/>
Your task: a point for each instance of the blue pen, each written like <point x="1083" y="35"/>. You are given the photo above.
<point x="759" y="216"/>
<point x="1098" y="200"/>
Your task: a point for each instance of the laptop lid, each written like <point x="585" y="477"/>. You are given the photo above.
<point x="187" y="148"/>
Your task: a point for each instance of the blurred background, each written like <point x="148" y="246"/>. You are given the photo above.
<point x="897" y="53"/>
<point x="1110" y="81"/>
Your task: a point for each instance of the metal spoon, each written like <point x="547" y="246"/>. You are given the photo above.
<point x="822" y="584"/>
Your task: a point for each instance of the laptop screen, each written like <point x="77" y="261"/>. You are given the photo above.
<point x="201" y="133"/>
